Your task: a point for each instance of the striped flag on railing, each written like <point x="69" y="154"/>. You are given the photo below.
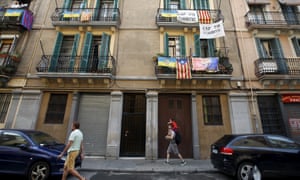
<point x="183" y="69"/>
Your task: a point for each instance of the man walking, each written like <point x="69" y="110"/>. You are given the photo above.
<point x="173" y="148"/>
<point x="73" y="148"/>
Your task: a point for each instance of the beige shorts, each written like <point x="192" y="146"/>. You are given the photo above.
<point x="70" y="161"/>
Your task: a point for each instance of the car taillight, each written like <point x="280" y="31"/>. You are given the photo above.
<point x="226" y="151"/>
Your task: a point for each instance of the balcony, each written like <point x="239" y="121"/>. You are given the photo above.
<point x="271" y="20"/>
<point x="283" y="71"/>
<point x="222" y="71"/>
<point x="86" y="17"/>
<point x="8" y="67"/>
<point x="183" y="18"/>
<point x="18" y="19"/>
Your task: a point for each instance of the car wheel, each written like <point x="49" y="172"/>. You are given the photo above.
<point x="245" y="171"/>
<point x="39" y="171"/>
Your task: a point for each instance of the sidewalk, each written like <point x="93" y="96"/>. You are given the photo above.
<point x="142" y="165"/>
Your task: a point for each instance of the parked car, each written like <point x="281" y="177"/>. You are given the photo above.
<point x="271" y="155"/>
<point x="30" y="153"/>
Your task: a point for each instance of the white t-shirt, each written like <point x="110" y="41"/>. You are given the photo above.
<point x="76" y="136"/>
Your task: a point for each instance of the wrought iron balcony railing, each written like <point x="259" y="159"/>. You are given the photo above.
<point x="71" y="64"/>
<point x="15" y="18"/>
<point x="174" y="17"/>
<point x="268" y="18"/>
<point x="223" y="67"/>
<point x="86" y="16"/>
<point x="265" y="66"/>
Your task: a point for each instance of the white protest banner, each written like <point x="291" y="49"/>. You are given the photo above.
<point x="187" y="16"/>
<point x="212" y="31"/>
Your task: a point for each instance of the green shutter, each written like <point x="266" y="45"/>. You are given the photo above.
<point x="104" y="51"/>
<point x="182" y="4"/>
<point x="56" y="52"/>
<point x="97" y="8"/>
<point x="74" y="52"/>
<point x="296" y="46"/>
<point x="166" y="4"/>
<point x="197" y="45"/>
<point x="67" y="4"/>
<point x="166" y="44"/>
<point x="86" y="51"/>
<point x="115" y="11"/>
<point x="260" y="48"/>
<point x="182" y="46"/>
<point x="279" y="56"/>
<point x="211" y="47"/>
<point x="204" y="4"/>
<point x="196" y="4"/>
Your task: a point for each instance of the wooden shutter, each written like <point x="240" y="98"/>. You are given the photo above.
<point x="182" y="46"/>
<point x="204" y="4"/>
<point x="56" y="52"/>
<point x="166" y="44"/>
<point x="67" y="4"/>
<point x="196" y="4"/>
<point x="211" y="47"/>
<point x="260" y="48"/>
<point x="104" y="51"/>
<point x="97" y="8"/>
<point x="86" y="51"/>
<point x="116" y="5"/>
<point x="182" y="4"/>
<point x="276" y="47"/>
<point x="74" y="52"/>
<point x="296" y="46"/>
<point x="197" y="45"/>
<point x="166" y="4"/>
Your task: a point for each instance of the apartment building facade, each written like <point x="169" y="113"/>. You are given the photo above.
<point x="111" y="65"/>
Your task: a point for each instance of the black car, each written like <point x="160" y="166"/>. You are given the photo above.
<point x="30" y="153"/>
<point x="271" y="155"/>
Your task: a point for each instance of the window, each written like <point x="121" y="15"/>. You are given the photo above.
<point x="257" y="141"/>
<point x="296" y="44"/>
<point x="290" y="13"/>
<point x="203" y="47"/>
<point x="174" y="4"/>
<point x="212" y="113"/>
<point x="4" y="104"/>
<point x="174" y="45"/>
<point x="5" y="48"/>
<point x="106" y="9"/>
<point x="56" y="109"/>
<point x="269" y="48"/>
<point x="281" y="142"/>
<point x="12" y="139"/>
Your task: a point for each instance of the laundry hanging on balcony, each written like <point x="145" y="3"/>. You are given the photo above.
<point x="183" y="69"/>
<point x="169" y="62"/>
<point x="212" y="31"/>
<point x="209" y="64"/>
<point x="204" y="17"/>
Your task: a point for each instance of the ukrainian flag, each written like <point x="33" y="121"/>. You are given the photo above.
<point x="13" y="12"/>
<point x="167" y="62"/>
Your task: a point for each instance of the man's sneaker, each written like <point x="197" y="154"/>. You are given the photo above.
<point x="167" y="162"/>
<point x="183" y="163"/>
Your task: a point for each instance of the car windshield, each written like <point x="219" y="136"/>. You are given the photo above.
<point x="43" y="138"/>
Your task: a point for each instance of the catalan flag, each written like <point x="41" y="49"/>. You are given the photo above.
<point x="183" y="69"/>
<point x="204" y="17"/>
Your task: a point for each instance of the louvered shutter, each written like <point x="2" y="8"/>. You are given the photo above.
<point x="56" y="52"/>
<point x="211" y="47"/>
<point x="166" y="4"/>
<point x="260" y="49"/>
<point x="182" y="46"/>
<point x="104" y="51"/>
<point x="67" y="4"/>
<point x="296" y="46"/>
<point x="166" y="44"/>
<point x="197" y="45"/>
<point x="276" y="47"/>
<point x="97" y="9"/>
<point x="182" y="4"/>
<point x="204" y="4"/>
<point x="74" y="53"/>
<point x="196" y="4"/>
<point x="86" y="51"/>
<point x="115" y="12"/>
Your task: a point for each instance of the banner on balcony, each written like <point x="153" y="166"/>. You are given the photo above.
<point x="183" y="69"/>
<point x="169" y="13"/>
<point x="13" y="12"/>
<point x="209" y="64"/>
<point x="167" y="62"/>
<point x="212" y="31"/>
<point x="204" y="17"/>
<point x="27" y="19"/>
<point x="70" y="14"/>
<point x="187" y="16"/>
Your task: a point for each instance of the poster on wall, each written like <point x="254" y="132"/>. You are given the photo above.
<point x="294" y="126"/>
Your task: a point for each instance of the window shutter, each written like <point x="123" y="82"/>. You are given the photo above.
<point x="211" y="47"/>
<point x="182" y="46"/>
<point x="182" y="4"/>
<point x="166" y="44"/>
<point x="197" y="45"/>
<point x="116" y="5"/>
<point x="196" y="4"/>
<point x="279" y="56"/>
<point x="56" y="52"/>
<point x="296" y="46"/>
<point x="204" y="4"/>
<point x="86" y="51"/>
<point x="260" y="48"/>
<point x="104" y="50"/>
<point x="67" y="4"/>
<point x="74" y="52"/>
<point x="97" y="9"/>
<point x="166" y="4"/>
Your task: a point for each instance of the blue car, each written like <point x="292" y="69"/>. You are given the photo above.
<point x="30" y="153"/>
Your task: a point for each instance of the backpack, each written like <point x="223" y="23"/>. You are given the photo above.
<point x="177" y="138"/>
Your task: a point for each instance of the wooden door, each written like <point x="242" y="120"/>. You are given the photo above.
<point x="177" y="106"/>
